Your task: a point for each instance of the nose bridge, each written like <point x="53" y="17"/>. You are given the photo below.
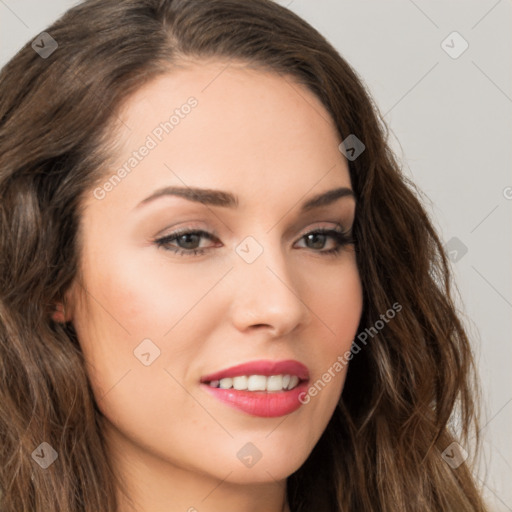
<point x="267" y="292"/>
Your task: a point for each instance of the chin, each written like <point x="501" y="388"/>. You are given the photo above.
<point x="260" y="461"/>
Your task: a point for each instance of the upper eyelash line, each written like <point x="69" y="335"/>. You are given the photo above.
<point x="342" y="238"/>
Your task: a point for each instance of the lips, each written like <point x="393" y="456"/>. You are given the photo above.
<point x="266" y="404"/>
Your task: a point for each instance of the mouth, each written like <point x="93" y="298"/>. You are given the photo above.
<point x="260" y="388"/>
<point x="270" y="384"/>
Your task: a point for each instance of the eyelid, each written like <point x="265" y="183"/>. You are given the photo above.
<point x="321" y="225"/>
<point x="212" y="234"/>
<point x="342" y="236"/>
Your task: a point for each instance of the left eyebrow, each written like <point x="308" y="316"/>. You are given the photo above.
<point x="228" y="200"/>
<point x="326" y="198"/>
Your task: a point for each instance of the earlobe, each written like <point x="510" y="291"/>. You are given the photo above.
<point x="59" y="313"/>
<point x="62" y="309"/>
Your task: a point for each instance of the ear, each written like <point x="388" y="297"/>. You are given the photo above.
<point x="62" y="309"/>
<point x="59" y="313"/>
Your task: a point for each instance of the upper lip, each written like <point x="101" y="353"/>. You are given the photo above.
<point x="261" y="367"/>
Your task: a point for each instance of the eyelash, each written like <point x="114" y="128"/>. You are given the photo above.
<point x="342" y="239"/>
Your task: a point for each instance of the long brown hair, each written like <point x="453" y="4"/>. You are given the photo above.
<point x="382" y="449"/>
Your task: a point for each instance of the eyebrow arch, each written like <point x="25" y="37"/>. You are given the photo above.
<point x="228" y="200"/>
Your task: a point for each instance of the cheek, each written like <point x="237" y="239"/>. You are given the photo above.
<point x="128" y="302"/>
<point x="124" y="307"/>
<point x="336" y="299"/>
<point x="144" y="298"/>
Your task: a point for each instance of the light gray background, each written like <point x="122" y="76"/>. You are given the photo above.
<point x="451" y="126"/>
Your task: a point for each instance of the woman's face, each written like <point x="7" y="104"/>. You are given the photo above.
<point x="155" y="324"/>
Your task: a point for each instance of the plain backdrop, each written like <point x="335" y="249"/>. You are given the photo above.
<point x="450" y="116"/>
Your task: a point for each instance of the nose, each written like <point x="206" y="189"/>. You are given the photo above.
<point x="268" y="293"/>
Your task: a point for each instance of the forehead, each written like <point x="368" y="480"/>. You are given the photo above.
<point x="223" y="124"/>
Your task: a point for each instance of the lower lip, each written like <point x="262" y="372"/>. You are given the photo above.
<point x="261" y="403"/>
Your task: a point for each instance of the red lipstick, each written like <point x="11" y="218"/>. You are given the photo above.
<point x="266" y="404"/>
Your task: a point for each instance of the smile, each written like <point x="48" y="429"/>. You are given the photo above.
<point x="257" y="383"/>
<point x="260" y="388"/>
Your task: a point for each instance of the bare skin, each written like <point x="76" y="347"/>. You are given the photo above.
<point x="269" y="141"/>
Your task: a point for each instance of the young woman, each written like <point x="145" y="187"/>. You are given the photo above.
<point x="218" y="292"/>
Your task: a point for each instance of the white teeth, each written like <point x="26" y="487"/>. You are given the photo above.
<point x="275" y="383"/>
<point x="240" y="383"/>
<point x="226" y="383"/>
<point x="257" y="383"/>
<point x="294" y="380"/>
